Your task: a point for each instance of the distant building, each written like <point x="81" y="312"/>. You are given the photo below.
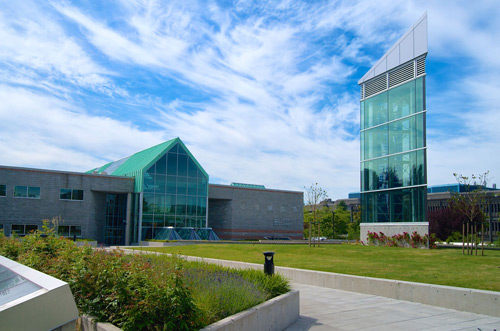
<point x="158" y="193"/>
<point x="393" y="146"/>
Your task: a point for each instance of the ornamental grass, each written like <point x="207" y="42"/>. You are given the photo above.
<point x="143" y="292"/>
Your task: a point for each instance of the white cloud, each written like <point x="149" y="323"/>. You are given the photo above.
<point x="36" y="50"/>
<point x="41" y="131"/>
<point x="258" y="92"/>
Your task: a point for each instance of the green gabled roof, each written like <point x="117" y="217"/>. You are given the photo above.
<point x="143" y="159"/>
<point x="134" y="165"/>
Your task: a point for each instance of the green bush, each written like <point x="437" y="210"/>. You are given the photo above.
<point x="496" y="243"/>
<point x="143" y="292"/>
<point x="456" y="236"/>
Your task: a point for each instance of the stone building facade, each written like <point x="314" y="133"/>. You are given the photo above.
<point x="243" y="213"/>
<point x="125" y="201"/>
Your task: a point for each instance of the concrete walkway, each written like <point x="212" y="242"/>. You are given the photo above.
<point x="328" y="309"/>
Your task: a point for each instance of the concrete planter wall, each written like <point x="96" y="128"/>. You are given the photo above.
<point x="391" y="229"/>
<point x="273" y="315"/>
<point x="163" y="243"/>
<point x="88" y="323"/>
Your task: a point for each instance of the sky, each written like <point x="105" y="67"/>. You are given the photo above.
<point x="261" y="92"/>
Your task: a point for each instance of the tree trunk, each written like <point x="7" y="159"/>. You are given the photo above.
<point x="463" y="239"/>
<point x="475" y="240"/>
<point x="309" y="233"/>
<point x="467" y="238"/>
<point x="318" y="234"/>
<point x="482" y="239"/>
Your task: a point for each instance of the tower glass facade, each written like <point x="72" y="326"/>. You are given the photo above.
<point x="393" y="146"/>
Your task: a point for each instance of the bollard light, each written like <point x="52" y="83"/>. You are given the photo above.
<point x="269" y="263"/>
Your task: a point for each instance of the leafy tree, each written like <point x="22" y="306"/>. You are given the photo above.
<point x="342" y="219"/>
<point x="353" y="229"/>
<point x="324" y="217"/>
<point x="443" y="222"/>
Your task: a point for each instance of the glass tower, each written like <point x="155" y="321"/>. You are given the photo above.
<point x="392" y="135"/>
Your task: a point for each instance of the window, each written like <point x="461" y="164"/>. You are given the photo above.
<point x="69" y="194"/>
<point x="69" y="231"/>
<point x="375" y="110"/>
<point x="30" y="192"/>
<point x="3" y="190"/>
<point x="23" y="229"/>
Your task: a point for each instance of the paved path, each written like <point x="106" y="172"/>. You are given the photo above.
<point x="328" y="309"/>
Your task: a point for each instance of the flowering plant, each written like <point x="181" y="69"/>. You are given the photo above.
<point x="414" y="240"/>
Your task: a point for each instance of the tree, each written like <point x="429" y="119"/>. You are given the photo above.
<point x="353" y="229"/>
<point x="443" y="222"/>
<point x="342" y="219"/>
<point x="469" y="201"/>
<point x="314" y="195"/>
<point x="323" y="216"/>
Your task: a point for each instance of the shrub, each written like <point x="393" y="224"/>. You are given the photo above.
<point x="456" y="236"/>
<point x="443" y="222"/>
<point x="402" y="240"/>
<point x="221" y="292"/>
<point x="143" y="292"/>
<point x="353" y="230"/>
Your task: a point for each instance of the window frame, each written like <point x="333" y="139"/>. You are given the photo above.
<point x="27" y="192"/>
<point x="71" y="193"/>
<point x="70" y="232"/>
<point x="12" y="231"/>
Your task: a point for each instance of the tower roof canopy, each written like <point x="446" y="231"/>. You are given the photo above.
<point x="411" y="45"/>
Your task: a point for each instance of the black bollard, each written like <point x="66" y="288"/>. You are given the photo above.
<point x="269" y="263"/>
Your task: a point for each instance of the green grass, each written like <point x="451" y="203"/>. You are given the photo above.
<point x="435" y="266"/>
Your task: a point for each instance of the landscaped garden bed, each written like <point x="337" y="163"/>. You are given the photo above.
<point x="144" y="292"/>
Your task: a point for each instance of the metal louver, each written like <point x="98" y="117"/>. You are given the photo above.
<point x="421" y="66"/>
<point x="402" y="74"/>
<point x="361" y="90"/>
<point x="375" y="85"/>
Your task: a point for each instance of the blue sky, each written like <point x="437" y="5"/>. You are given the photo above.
<point x="261" y="92"/>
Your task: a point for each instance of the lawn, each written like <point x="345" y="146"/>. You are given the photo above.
<point x="434" y="266"/>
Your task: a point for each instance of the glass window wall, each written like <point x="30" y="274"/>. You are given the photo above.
<point x="405" y="205"/>
<point x="375" y="174"/>
<point x="392" y="154"/>
<point x="376" y="142"/>
<point x="179" y="195"/>
<point x="375" y="110"/>
<point x="402" y="101"/>
<point x="402" y="135"/>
